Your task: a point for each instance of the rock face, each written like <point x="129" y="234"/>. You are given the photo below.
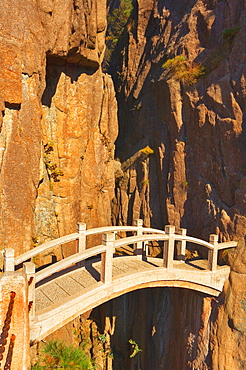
<point x="196" y="131"/>
<point x="58" y="127"/>
<point x="196" y="175"/>
<point x="165" y="323"/>
<point x="58" y="121"/>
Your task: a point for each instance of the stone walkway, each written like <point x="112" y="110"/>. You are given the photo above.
<point x="78" y="280"/>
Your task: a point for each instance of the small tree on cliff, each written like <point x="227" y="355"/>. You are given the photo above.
<point x="57" y="355"/>
<point x="183" y="70"/>
<point x="117" y="20"/>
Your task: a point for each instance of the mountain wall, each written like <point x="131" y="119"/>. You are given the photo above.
<point x="58" y="121"/>
<point x="194" y="177"/>
<point x="180" y="151"/>
<point x="197" y="172"/>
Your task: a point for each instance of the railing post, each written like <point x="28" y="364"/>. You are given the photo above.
<point x="107" y="257"/>
<point x="145" y="249"/>
<point x="9" y="259"/>
<point x="168" y="251"/>
<point x="138" y="247"/>
<point x="213" y="253"/>
<point x="29" y="269"/>
<point x="81" y="229"/>
<point x="181" y="247"/>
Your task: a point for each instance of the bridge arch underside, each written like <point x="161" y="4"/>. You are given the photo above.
<point x="48" y="321"/>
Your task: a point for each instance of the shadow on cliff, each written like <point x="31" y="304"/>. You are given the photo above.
<point x="55" y="66"/>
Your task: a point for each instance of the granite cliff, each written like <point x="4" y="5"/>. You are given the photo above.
<point x="195" y="175"/>
<point x="196" y="130"/>
<point x="58" y="120"/>
<point x="181" y="158"/>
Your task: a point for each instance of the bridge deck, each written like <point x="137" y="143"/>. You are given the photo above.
<point x="67" y="284"/>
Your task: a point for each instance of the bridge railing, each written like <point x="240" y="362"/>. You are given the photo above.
<point x="81" y="236"/>
<point x="107" y="248"/>
<point x="143" y="236"/>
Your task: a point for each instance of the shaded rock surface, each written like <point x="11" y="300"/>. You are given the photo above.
<point x="196" y="131"/>
<point x="171" y="327"/>
<point x="196" y="175"/>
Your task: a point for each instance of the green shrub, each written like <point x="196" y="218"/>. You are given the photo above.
<point x="57" y="355"/>
<point x="176" y="64"/>
<point x="146" y="182"/>
<point x="185" y="185"/>
<point x="102" y="338"/>
<point x="117" y="21"/>
<point x="135" y="348"/>
<point x="182" y="70"/>
<point x="222" y="51"/>
<point x="52" y="169"/>
<point x="230" y="33"/>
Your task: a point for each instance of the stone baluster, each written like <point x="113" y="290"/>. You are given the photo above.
<point x="107" y="257"/>
<point x="138" y="247"/>
<point x="145" y="249"/>
<point x="168" y="252"/>
<point x="9" y="259"/>
<point x="181" y="245"/>
<point x="81" y="230"/>
<point x="29" y="269"/>
<point x="213" y="253"/>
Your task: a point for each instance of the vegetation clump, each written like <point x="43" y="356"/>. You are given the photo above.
<point x="182" y="70"/>
<point x="135" y="348"/>
<point x="146" y="182"/>
<point x="222" y="51"/>
<point x="117" y="20"/>
<point x="185" y="185"/>
<point x="57" y="355"/>
<point x="52" y="169"/>
<point x="230" y="33"/>
<point x="147" y="150"/>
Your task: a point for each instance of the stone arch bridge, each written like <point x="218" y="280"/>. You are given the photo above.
<point x="36" y="303"/>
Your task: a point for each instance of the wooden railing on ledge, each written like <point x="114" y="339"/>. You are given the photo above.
<point x="107" y="248"/>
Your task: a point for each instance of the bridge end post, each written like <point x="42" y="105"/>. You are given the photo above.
<point x="138" y="247"/>
<point x="168" y="250"/>
<point x="14" y="321"/>
<point x="29" y="269"/>
<point x="213" y="253"/>
<point x="107" y="257"/>
<point x="9" y="259"/>
<point x="181" y="247"/>
<point x="81" y="230"/>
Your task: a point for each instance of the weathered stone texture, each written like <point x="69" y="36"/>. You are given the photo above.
<point x="198" y="129"/>
<point x="80" y="128"/>
<point x="54" y="92"/>
<point x="14" y="321"/>
<point x="197" y="132"/>
<point x="170" y="326"/>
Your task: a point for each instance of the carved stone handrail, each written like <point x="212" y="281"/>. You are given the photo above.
<point x="139" y="241"/>
<point x="107" y="248"/>
<point x="67" y="262"/>
<point x="80" y="235"/>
